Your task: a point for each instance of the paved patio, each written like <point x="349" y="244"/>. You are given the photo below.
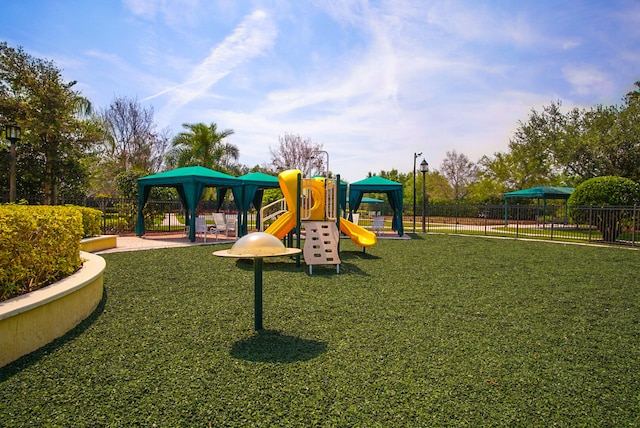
<point x="172" y="240"/>
<point x="165" y="240"/>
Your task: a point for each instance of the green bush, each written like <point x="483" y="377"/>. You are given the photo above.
<point x="39" y="245"/>
<point x="602" y="192"/>
<point x="606" y="191"/>
<point x="91" y="220"/>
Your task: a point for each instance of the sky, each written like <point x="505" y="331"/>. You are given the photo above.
<point x="374" y="82"/>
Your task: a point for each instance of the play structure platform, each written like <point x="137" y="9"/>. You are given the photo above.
<point x="318" y="213"/>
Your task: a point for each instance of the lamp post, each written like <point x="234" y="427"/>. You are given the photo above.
<point x="415" y="156"/>
<point x="424" y="167"/>
<point x="13" y="134"/>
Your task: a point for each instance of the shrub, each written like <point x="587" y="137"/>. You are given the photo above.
<point x="39" y="245"/>
<point x="603" y="192"/>
<point x="91" y="220"/>
<point x="606" y="191"/>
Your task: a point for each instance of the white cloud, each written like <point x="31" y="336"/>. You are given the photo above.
<point x="587" y="79"/>
<point x="174" y="13"/>
<point x="251" y="38"/>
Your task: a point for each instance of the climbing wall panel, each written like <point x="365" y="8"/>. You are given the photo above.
<point x="321" y="244"/>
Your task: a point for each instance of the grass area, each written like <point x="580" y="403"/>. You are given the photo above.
<point x="436" y="331"/>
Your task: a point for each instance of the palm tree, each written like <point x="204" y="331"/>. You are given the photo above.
<point x="205" y="146"/>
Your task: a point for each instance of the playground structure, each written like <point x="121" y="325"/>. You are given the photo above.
<point x="313" y="203"/>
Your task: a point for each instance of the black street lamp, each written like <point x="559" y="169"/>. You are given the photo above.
<point x="415" y="156"/>
<point x="13" y="134"/>
<point x="424" y="167"/>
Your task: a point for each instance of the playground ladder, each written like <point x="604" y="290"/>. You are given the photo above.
<point x="321" y="245"/>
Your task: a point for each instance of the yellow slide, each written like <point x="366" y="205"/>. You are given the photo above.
<point x="359" y="236"/>
<point x="283" y="225"/>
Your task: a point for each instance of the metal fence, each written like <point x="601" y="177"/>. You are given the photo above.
<point x="612" y="225"/>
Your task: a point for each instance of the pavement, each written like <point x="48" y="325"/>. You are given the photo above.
<point x="165" y="240"/>
<point x="173" y="240"/>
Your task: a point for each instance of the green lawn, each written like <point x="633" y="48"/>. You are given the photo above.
<point x="436" y="331"/>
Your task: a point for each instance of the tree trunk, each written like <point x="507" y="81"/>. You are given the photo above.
<point x="49" y="171"/>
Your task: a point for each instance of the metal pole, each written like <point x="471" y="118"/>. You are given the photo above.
<point x="424" y="200"/>
<point x="415" y="156"/>
<point x="257" y="286"/>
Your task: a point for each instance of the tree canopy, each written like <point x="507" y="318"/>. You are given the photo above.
<point x="556" y="148"/>
<point x="294" y="152"/>
<point x="203" y="145"/>
<point x="56" y="123"/>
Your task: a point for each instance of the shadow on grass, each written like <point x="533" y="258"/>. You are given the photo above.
<point x="271" y="264"/>
<point x="270" y="346"/>
<point x="27" y="360"/>
<point x="416" y="236"/>
<point x="320" y="270"/>
<point x="348" y="255"/>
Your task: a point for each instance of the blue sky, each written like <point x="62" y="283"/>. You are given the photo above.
<point x="373" y="81"/>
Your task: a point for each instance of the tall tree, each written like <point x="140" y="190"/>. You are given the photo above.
<point x="54" y="118"/>
<point x="293" y="152"/>
<point x="460" y="172"/>
<point x="556" y="148"/>
<point x="13" y="66"/>
<point x="131" y="140"/>
<point x="130" y="143"/>
<point x="205" y="146"/>
<point x="626" y="155"/>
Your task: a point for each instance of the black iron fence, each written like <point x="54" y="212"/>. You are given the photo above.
<point x="613" y="225"/>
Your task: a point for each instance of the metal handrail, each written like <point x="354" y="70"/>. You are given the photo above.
<point x="282" y="208"/>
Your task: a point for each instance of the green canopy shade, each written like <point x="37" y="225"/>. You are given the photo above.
<point x="253" y="185"/>
<point x="377" y="184"/>
<point x="367" y="200"/>
<point x="190" y="183"/>
<point x="542" y="192"/>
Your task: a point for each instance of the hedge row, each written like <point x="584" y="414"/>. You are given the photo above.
<point x="40" y="245"/>
<point x="91" y="220"/>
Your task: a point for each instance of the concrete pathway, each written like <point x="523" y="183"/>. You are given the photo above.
<point x="148" y="242"/>
<point x="173" y="240"/>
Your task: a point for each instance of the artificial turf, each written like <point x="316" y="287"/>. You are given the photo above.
<point x="435" y="331"/>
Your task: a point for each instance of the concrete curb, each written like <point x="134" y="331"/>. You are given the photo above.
<point x="33" y="320"/>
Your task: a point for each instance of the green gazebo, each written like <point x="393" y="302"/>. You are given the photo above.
<point x="377" y="184"/>
<point x="190" y="183"/>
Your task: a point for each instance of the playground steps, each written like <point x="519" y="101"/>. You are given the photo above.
<point x="321" y="244"/>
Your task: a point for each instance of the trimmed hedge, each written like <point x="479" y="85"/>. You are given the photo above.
<point x="606" y="191"/>
<point x="603" y="192"/>
<point x="39" y="245"/>
<point x="91" y="220"/>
